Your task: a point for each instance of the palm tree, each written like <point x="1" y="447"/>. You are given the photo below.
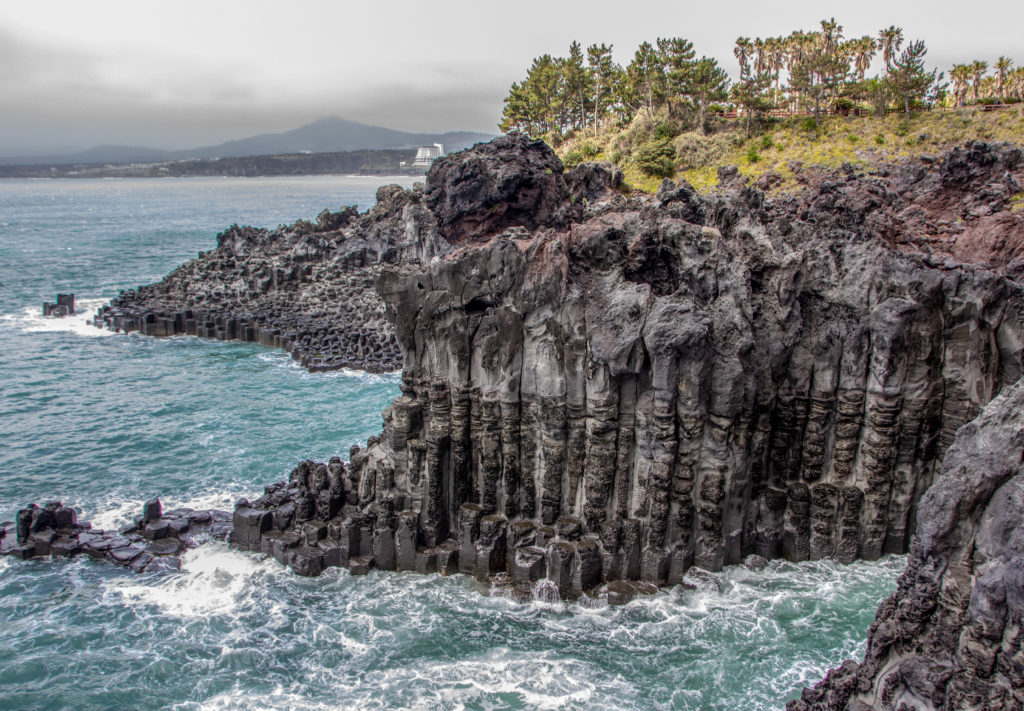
<point x="863" y="50"/>
<point x="759" y="55"/>
<point x="832" y="33"/>
<point x="890" y="40"/>
<point x="797" y="45"/>
<point x="743" y="49"/>
<point x="1016" y="82"/>
<point x="1003" y="65"/>
<point x="978" y="69"/>
<point x="776" y="61"/>
<point x="960" y="75"/>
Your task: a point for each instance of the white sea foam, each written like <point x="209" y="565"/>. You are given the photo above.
<point x="119" y="513"/>
<point x="284" y="360"/>
<point x="213" y="581"/>
<point x="31" y="320"/>
<point x="246" y="700"/>
<point x="223" y="500"/>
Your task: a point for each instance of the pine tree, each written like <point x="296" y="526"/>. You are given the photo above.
<point x="602" y="71"/>
<point x="821" y="69"/>
<point x="577" y="86"/>
<point x="749" y="94"/>
<point x="909" y="80"/>
<point x="677" y="58"/>
<point x="646" y="76"/>
<point x="708" y="83"/>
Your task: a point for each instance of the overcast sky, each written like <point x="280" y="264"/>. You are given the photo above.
<point x="186" y="73"/>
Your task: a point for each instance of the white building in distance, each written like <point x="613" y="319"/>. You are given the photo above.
<point x="425" y="155"/>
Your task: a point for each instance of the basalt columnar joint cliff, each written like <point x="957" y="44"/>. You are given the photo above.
<point x="952" y="635"/>
<point x="598" y="387"/>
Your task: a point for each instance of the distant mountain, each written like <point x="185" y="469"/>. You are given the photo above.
<point x="327" y="135"/>
<point x="97" y="154"/>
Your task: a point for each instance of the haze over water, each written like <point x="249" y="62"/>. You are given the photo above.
<point x="105" y="421"/>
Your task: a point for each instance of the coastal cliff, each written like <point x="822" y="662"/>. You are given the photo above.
<point x="599" y="388"/>
<point x="603" y="392"/>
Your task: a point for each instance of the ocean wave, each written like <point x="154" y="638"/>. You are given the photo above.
<point x="214" y="581"/>
<point x="284" y="360"/>
<point x="31" y="320"/>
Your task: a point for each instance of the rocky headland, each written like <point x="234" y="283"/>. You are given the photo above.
<point x="611" y="391"/>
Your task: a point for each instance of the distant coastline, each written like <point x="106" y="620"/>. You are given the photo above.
<point x="362" y="162"/>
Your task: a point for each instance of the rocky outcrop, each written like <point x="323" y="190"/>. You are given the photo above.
<point x="959" y="205"/>
<point x="63" y="306"/>
<point x="602" y="388"/>
<point x="153" y="543"/>
<point x="307" y="288"/>
<point x="952" y="635"/>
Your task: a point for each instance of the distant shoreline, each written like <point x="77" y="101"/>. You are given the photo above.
<point x="354" y="163"/>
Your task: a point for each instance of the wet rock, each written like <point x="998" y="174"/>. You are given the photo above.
<point x="165" y="546"/>
<point x="621" y="592"/>
<point x="755" y="562"/>
<point x="530" y="564"/>
<point x="140" y="562"/>
<point x="306" y="561"/>
<point x="360" y="565"/>
<point x="125" y="554"/>
<point x="163" y="565"/>
<point x="702" y="581"/>
<point x="149" y="545"/>
<point x="151" y="511"/>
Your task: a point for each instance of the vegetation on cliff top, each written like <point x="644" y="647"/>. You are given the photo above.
<point x="781" y="147"/>
<point x="804" y="98"/>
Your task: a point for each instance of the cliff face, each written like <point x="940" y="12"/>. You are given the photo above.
<point x="952" y="635"/>
<point x="686" y="380"/>
<point x="598" y="388"/>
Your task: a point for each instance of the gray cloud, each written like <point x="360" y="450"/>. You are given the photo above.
<point x="192" y="73"/>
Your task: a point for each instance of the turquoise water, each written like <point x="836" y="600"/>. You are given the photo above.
<point x="105" y="421"/>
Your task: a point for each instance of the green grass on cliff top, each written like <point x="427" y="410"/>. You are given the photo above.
<point x="860" y="141"/>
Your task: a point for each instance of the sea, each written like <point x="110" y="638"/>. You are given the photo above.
<point x="104" y="421"/>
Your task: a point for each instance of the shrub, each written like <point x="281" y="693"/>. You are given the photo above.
<point x="616" y="157"/>
<point x="752" y="155"/>
<point x="693" y="150"/>
<point x="573" y="158"/>
<point x="879" y="139"/>
<point x="663" y="132"/>
<point x="766" y="142"/>
<point x="902" y="129"/>
<point x="656" y="158"/>
<point x="852" y="137"/>
<point x="808" y="124"/>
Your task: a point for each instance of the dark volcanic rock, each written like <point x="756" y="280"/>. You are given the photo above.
<point x="692" y="379"/>
<point x="952" y="635"/>
<point x="511" y="181"/>
<point x="167" y="537"/>
<point x="629" y="387"/>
